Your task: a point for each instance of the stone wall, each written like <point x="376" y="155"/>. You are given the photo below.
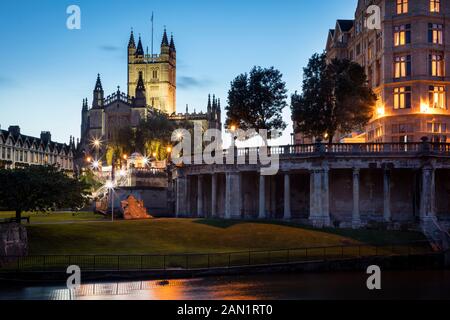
<point x="13" y="240"/>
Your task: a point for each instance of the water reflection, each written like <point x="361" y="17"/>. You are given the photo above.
<point x="350" y="285"/>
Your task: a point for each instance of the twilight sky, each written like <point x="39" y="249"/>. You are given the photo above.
<point x="46" y="70"/>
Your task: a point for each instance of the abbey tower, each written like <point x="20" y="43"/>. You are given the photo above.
<point x="158" y="73"/>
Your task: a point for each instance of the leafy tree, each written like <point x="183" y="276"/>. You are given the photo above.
<point x="151" y="136"/>
<point x="256" y="100"/>
<point x="42" y="188"/>
<point x="335" y="98"/>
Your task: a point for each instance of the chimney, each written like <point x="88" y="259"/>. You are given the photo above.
<point x="14" y="130"/>
<point x="46" y="136"/>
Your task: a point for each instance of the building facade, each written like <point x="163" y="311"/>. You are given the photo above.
<point x="348" y="186"/>
<point x="18" y="150"/>
<point x="159" y="73"/>
<point x="151" y="86"/>
<point x="407" y="66"/>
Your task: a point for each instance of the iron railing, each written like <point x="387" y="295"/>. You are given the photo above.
<point x="208" y="261"/>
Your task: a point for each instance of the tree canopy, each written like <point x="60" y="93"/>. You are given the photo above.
<point x="335" y="98"/>
<point x="152" y="135"/>
<point x="256" y="100"/>
<point x="40" y="188"/>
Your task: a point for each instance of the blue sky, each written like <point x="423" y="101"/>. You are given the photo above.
<point x="46" y="70"/>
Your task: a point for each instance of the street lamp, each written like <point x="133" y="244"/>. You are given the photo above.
<point x="96" y="164"/>
<point x="233" y="129"/>
<point x="110" y="186"/>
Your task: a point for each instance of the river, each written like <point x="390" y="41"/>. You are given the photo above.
<point x="306" y="286"/>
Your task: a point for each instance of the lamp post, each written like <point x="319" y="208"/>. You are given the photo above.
<point x="110" y="186"/>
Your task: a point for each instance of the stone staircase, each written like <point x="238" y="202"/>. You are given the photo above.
<point x="439" y="237"/>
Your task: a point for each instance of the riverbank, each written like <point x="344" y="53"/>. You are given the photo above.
<point x="434" y="261"/>
<point x="416" y="284"/>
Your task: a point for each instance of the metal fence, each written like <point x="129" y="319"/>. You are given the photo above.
<point x="43" y="263"/>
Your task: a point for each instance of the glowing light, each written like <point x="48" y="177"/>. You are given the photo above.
<point x="154" y="154"/>
<point x="179" y="135"/>
<point x="326" y="136"/>
<point x="125" y="157"/>
<point x="97" y="143"/>
<point x="146" y="160"/>
<point x="169" y="149"/>
<point x="88" y="159"/>
<point x="96" y="164"/>
<point x="233" y="128"/>
<point x="109" y="184"/>
<point x="380" y="111"/>
<point x="424" y="108"/>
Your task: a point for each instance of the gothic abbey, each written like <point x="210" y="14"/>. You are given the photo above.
<point x="151" y="86"/>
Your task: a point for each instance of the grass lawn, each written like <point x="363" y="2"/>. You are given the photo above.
<point x="169" y="236"/>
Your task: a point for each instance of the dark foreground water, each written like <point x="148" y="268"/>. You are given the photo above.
<point x="350" y="285"/>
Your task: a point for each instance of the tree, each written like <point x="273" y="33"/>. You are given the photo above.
<point x="151" y="136"/>
<point x="256" y="100"/>
<point x="42" y="188"/>
<point x="335" y="98"/>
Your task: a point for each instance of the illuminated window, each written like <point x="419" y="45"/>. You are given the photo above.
<point x="378" y="132"/>
<point x="402" y="98"/>
<point x="435" y="33"/>
<point x="402" y="35"/>
<point x="402" y="66"/>
<point x="437" y="68"/>
<point x="435" y="6"/>
<point x="436" y="127"/>
<point x="402" y="6"/>
<point x="437" y="97"/>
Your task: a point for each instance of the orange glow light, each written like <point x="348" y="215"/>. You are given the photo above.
<point x="424" y="108"/>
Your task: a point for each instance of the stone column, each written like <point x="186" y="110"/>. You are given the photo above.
<point x="427" y="196"/>
<point x="273" y="197"/>
<point x="228" y="197"/>
<point x="387" y="196"/>
<point x="356" y="217"/>
<point x="262" y="197"/>
<point x="287" y="197"/>
<point x="214" y="195"/>
<point x="319" y="198"/>
<point x="326" y="197"/>
<point x="181" y="198"/>
<point x="200" y="210"/>
<point x="233" y="197"/>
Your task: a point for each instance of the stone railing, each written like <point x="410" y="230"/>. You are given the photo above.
<point x="350" y="149"/>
